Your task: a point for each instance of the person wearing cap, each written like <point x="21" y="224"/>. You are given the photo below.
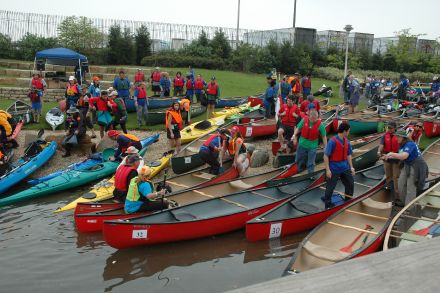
<point x="269" y="99"/>
<point x="199" y="86"/>
<point x="189" y="85"/>
<point x="212" y="95"/>
<point x="155" y="81"/>
<point x="234" y="146"/>
<point x="289" y="114"/>
<point x="139" y="77"/>
<point x="120" y="115"/>
<point x="413" y="176"/>
<point x="306" y="86"/>
<point x="94" y="88"/>
<point x="355" y="93"/>
<point x="132" y="151"/>
<point x="210" y="150"/>
<point x="434" y="92"/>
<point x="103" y="106"/>
<point x="285" y="88"/>
<point x="83" y="107"/>
<point x="39" y="84"/>
<point x="141" y="196"/>
<point x="338" y="164"/>
<point x="123" y="141"/>
<point x="388" y="144"/>
<point x="402" y="87"/>
<point x="415" y="134"/>
<point x="178" y="83"/>
<point x="37" y="103"/>
<point x="124" y="174"/>
<point x="311" y="130"/>
<point x="75" y="131"/>
<point x="122" y="84"/>
<point x="165" y="85"/>
<point x="141" y="103"/>
<point x="304" y="108"/>
<point x="174" y="123"/>
<point x="72" y="93"/>
<point x="296" y="87"/>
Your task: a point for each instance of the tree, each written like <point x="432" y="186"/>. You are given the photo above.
<point x="203" y="39"/>
<point x="389" y="62"/>
<point x="220" y="45"/>
<point x="142" y="43"/>
<point x="115" y="44"/>
<point x="6" y="48"/>
<point x="128" y="52"/>
<point x="79" y="34"/>
<point x="376" y="61"/>
<point x="30" y="44"/>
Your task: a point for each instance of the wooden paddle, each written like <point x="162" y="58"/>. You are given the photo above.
<point x="164" y="184"/>
<point x="349" y="249"/>
<point x="424" y="231"/>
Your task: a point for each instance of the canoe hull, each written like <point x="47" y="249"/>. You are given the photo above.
<point x="93" y="223"/>
<point x="230" y="102"/>
<point x="431" y="128"/>
<point x="91" y="207"/>
<point x="257" y="130"/>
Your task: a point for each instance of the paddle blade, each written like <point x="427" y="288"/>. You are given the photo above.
<point x="424" y="231"/>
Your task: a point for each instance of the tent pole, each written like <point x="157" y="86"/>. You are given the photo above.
<point x="80" y="73"/>
<point x="35" y="64"/>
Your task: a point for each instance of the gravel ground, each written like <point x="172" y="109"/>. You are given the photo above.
<point x="154" y="152"/>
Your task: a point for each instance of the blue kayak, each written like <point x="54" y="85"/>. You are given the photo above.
<point x="26" y="165"/>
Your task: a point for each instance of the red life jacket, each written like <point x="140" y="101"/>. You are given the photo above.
<point x="288" y="119"/>
<point x="416" y="135"/>
<point x="142" y="93"/>
<point x="310" y="133"/>
<point x="198" y="84"/>
<point x="210" y="139"/>
<point x="156" y="76"/>
<point x="189" y="84"/>
<point x="139" y="77"/>
<point x="307" y="83"/>
<point x="37" y="84"/>
<point x="212" y="89"/>
<point x="390" y="143"/>
<point x="121" y="177"/>
<point x="340" y="153"/>
<point x="305" y="105"/>
<point x="73" y="88"/>
<point x="296" y="88"/>
<point x="178" y="81"/>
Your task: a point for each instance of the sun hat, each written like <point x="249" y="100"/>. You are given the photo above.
<point x="72" y="110"/>
<point x="71" y="78"/>
<point x="113" y="94"/>
<point x="131" y="159"/>
<point x="132" y="150"/>
<point x="145" y="171"/>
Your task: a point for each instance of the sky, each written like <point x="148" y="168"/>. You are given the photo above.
<point x="381" y="17"/>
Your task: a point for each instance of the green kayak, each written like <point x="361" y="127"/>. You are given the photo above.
<point x="71" y="179"/>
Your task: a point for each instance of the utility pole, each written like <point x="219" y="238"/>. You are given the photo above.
<point x="294" y="14"/>
<point x="238" y="24"/>
<point x="348" y="28"/>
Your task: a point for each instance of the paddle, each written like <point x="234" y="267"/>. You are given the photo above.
<point x="164" y="184"/>
<point x="424" y="231"/>
<point x="349" y="248"/>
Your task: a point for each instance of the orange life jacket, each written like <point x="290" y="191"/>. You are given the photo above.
<point x="175" y="117"/>
<point x="232" y="143"/>
<point x="296" y="87"/>
<point x="72" y="88"/>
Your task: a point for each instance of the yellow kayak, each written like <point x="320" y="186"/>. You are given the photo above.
<point x="228" y="112"/>
<point x="103" y="190"/>
<point x="196" y="130"/>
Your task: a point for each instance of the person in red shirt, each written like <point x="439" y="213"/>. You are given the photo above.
<point x="288" y="114"/>
<point x="178" y="83"/>
<point x="416" y="133"/>
<point x="310" y="100"/>
<point x="139" y="77"/>
<point x="103" y="107"/>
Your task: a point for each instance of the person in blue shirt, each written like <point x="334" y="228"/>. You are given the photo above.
<point x="413" y="176"/>
<point x="269" y="99"/>
<point x="165" y="85"/>
<point x="401" y="89"/>
<point x="434" y="92"/>
<point x="338" y="164"/>
<point x="210" y="150"/>
<point x="122" y="85"/>
<point x="285" y="88"/>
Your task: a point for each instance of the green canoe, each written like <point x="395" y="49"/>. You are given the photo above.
<point x="72" y="179"/>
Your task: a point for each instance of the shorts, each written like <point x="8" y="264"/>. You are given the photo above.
<point x="155" y="88"/>
<point x="212" y="102"/>
<point x="36" y="106"/>
<point x="288" y="131"/>
<point x="175" y="132"/>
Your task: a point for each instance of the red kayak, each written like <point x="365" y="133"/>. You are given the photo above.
<point x="90" y="217"/>
<point x="307" y="209"/>
<point x="17" y="129"/>
<point x="214" y="216"/>
<point x="431" y="128"/>
<point x="265" y="127"/>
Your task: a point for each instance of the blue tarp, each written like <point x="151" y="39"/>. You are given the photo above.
<point x="61" y="56"/>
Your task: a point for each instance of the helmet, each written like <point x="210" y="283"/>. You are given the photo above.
<point x="235" y="129"/>
<point x="112" y="133"/>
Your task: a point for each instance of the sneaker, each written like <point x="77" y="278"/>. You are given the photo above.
<point x="329" y="205"/>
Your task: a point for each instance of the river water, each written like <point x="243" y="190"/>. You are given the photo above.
<point x="41" y="251"/>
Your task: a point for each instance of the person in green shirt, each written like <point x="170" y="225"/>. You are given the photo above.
<point x="120" y="114"/>
<point x="311" y="129"/>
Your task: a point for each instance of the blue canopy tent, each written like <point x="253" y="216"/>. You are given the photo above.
<point x="61" y="56"/>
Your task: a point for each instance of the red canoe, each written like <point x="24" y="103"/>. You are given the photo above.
<point x="307" y="210"/>
<point x="431" y="128"/>
<point x="207" y="218"/>
<point x="265" y="127"/>
<point x="89" y="218"/>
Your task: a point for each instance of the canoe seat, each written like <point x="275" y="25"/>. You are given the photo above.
<point x="324" y="253"/>
<point x="371" y="203"/>
<point x="203" y="175"/>
<point x="183" y="216"/>
<point x="239" y="184"/>
<point x="193" y="149"/>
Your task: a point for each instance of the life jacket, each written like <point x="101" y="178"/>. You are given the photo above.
<point x="33" y="95"/>
<point x="307" y="83"/>
<point x="211" y="138"/>
<point x="133" y="190"/>
<point x="121" y="177"/>
<point x="305" y="105"/>
<point x="185" y="105"/>
<point x="156" y="76"/>
<point x="72" y="89"/>
<point x="142" y="93"/>
<point x="178" y="81"/>
<point x="37" y="84"/>
<point x="198" y="84"/>
<point x="139" y="76"/>
<point x="296" y="88"/>
<point x="4" y="117"/>
<point x="1" y="155"/>
<point x="310" y="133"/>
<point x="416" y="135"/>
<point x="212" y="89"/>
<point x="340" y="153"/>
<point x="176" y="118"/>
<point x="288" y="119"/>
<point x="81" y="103"/>
<point x="189" y="84"/>
<point x="284" y="88"/>
<point x="231" y="146"/>
<point x="132" y="139"/>
<point x="130" y="136"/>
<point x="390" y="143"/>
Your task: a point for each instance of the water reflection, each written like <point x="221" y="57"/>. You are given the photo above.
<point x="130" y="264"/>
